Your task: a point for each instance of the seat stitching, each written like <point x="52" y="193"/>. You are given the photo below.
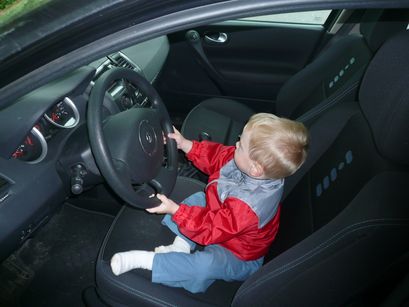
<point x="331" y="241"/>
<point x="123" y="286"/>
<point x="116" y="282"/>
<point x="332" y="101"/>
<point x="322" y="107"/>
<point x="136" y="292"/>
<point x="359" y="226"/>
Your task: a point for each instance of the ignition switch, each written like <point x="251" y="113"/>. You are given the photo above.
<point x="78" y="173"/>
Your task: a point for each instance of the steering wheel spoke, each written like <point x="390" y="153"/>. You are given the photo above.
<point x="123" y="172"/>
<point x="163" y="178"/>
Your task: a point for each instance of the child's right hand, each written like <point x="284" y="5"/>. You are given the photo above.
<point x="167" y="206"/>
<point x="184" y="144"/>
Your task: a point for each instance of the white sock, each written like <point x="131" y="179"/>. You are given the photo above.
<point x="136" y="259"/>
<point x="179" y="245"/>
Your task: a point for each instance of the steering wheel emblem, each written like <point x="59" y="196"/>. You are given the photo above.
<point x="148" y="138"/>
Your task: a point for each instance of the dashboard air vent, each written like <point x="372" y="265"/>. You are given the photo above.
<point x="120" y="60"/>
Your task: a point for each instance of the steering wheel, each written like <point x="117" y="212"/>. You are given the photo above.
<point x="128" y="147"/>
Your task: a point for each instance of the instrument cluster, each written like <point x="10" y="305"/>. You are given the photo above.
<point x="62" y="115"/>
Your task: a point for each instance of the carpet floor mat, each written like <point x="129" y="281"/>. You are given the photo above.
<point x="53" y="267"/>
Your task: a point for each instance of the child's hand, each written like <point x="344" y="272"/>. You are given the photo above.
<point x="167" y="206"/>
<point x="182" y="143"/>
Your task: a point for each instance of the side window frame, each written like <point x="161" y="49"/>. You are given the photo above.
<point x="328" y="21"/>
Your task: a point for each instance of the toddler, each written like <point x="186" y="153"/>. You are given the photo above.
<point x="236" y="218"/>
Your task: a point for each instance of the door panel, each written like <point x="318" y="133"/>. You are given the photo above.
<point x="251" y="63"/>
<point x="266" y="56"/>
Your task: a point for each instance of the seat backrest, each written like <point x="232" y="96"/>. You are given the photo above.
<point x="336" y="72"/>
<point x="345" y="217"/>
<point x="333" y="77"/>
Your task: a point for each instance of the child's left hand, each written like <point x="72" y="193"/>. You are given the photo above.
<point x="167" y="206"/>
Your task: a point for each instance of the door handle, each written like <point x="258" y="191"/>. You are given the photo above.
<point x="218" y="38"/>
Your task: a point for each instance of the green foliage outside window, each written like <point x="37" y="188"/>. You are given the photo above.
<point x="5" y="3"/>
<point x="13" y="9"/>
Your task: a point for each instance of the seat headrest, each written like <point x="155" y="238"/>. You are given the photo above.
<point x="384" y="98"/>
<point x="377" y="26"/>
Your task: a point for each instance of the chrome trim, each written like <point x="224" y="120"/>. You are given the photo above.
<point x="221" y="39"/>
<point x="73" y="107"/>
<point x="117" y="90"/>
<point x="144" y="102"/>
<point x="4" y="197"/>
<point x="44" y="146"/>
<point x="101" y="66"/>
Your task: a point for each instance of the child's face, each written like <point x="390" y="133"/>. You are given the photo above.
<point x="241" y="155"/>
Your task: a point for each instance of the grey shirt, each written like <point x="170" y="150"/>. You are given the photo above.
<point x="261" y="195"/>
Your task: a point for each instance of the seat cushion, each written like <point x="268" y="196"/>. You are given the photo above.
<point x="137" y="229"/>
<point x="345" y="257"/>
<point x="216" y="119"/>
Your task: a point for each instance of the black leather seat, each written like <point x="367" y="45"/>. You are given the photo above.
<point x="332" y="77"/>
<point x="344" y="230"/>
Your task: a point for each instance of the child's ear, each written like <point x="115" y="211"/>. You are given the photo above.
<point x="256" y="170"/>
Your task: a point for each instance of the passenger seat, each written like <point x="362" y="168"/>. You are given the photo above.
<point x="333" y="76"/>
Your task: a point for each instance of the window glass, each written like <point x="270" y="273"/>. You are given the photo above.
<point x="311" y="17"/>
<point x="10" y="10"/>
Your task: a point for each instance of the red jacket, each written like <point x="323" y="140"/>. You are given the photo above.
<point x="231" y="223"/>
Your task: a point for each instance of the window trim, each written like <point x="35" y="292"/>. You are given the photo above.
<point x="251" y="23"/>
<point x="328" y="21"/>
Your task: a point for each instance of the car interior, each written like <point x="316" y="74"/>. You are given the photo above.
<point x="344" y="226"/>
<point x="311" y="90"/>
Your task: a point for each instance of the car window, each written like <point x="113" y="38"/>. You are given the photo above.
<point x="12" y="9"/>
<point x="310" y="17"/>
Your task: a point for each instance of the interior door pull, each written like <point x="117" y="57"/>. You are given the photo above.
<point x="218" y="38"/>
<point x="193" y="38"/>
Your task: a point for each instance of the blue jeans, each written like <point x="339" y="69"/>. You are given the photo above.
<point x="197" y="199"/>
<point x="196" y="272"/>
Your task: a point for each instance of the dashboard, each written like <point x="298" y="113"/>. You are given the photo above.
<point x="45" y="155"/>
<point x="62" y="115"/>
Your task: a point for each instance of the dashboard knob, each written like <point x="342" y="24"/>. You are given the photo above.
<point x="77" y="182"/>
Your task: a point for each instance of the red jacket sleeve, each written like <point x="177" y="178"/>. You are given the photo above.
<point x="209" y="157"/>
<point x="206" y="226"/>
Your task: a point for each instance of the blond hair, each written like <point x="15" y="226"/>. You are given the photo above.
<point x="278" y="144"/>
